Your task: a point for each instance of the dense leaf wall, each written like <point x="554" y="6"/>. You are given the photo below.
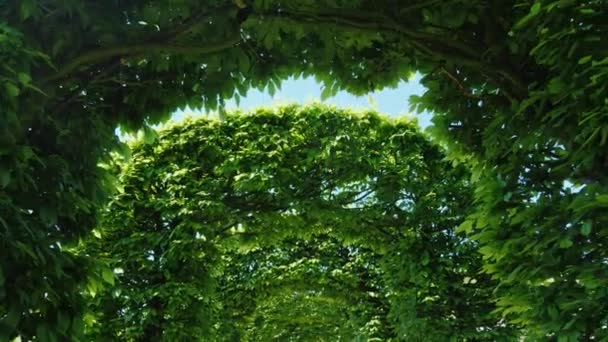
<point x="210" y="191"/>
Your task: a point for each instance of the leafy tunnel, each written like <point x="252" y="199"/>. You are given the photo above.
<point x="298" y="221"/>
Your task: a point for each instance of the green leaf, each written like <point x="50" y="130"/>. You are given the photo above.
<point x="326" y="93"/>
<point x="11" y="89"/>
<point x="565" y="243"/>
<point x="271" y="89"/>
<point x="586" y="228"/>
<point x="150" y="135"/>
<point x="27" y="8"/>
<point x="92" y="287"/>
<point x="553" y="313"/>
<point x="96" y="233"/>
<point x="556" y="86"/>
<point x="535" y="9"/>
<point x="108" y="276"/>
<point x="465" y="227"/>
<point x="585" y="59"/>
<point x="24" y="78"/>
<point x="602" y="200"/>
<point x="244" y="63"/>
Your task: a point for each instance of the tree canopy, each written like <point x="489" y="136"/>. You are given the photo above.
<point x="517" y="89"/>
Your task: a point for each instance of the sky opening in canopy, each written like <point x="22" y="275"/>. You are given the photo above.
<point x="390" y="101"/>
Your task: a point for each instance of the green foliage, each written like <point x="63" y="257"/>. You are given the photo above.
<point x="538" y="161"/>
<point x="517" y="89"/>
<point x="49" y="189"/>
<point x="223" y="202"/>
<point x="303" y="290"/>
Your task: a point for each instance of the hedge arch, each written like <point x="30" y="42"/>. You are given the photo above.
<point x="210" y="189"/>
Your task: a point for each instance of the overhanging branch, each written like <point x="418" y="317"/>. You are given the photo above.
<point x="432" y="45"/>
<point x="99" y="55"/>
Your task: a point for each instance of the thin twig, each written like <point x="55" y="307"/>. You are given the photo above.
<point x="459" y="84"/>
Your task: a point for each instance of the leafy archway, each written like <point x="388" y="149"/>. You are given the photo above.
<point x="517" y="90"/>
<point x="209" y="189"/>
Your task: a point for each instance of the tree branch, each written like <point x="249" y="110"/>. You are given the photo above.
<point x="379" y="22"/>
<point x="123" y="51"/>
<point x="419" y="6"/>
<point x="191" y="22"/>
<point x="439" y="46"/>
<point x="459" y="85"/>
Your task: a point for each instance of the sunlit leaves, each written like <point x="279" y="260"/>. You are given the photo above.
<point x="209" y="201"/>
